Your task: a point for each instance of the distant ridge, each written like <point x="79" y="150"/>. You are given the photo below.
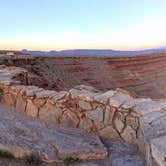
<point x="93" y="52"/>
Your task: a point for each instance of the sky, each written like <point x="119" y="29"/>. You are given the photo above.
<point x="82" y="24"/>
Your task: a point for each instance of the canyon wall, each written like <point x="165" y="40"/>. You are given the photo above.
<point x="141" y="75"/>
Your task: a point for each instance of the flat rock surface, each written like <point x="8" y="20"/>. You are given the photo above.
<point x="27" y="135"/>
<point x="120" y="154"/>
<point x="158" y="146"/>
<point x="21" y="131"/>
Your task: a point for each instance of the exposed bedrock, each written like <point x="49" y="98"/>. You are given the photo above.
<point x="114" y="114"/>
<point x="143" y="75"/>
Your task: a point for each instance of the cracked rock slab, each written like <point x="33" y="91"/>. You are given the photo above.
<point x="23" y="135"/>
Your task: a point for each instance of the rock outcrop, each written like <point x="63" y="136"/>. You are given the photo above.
<point x="113" y="114"/>
<point x="23" y="136"/>
<point x="142" y="75"/>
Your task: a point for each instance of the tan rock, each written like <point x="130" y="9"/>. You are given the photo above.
<point x="9" y="100"/>
<point x="118" y="99"/>
<point x="129" y="135"/>
<point x="158" y="147"/>
<point x="96" y="115"/>
<point x="20" y="103"/>
<point x="32" y="92"/>
<point x="103" y="98"/>
<point x="108" y="116"/>
<point x="109" y="132"/>
<point x="149" y="106"/>
<point x="50" y="113"/>
<point x="119" y="125"/>
<point x="45" y="94"/>
<point x="83" y="95"/>
<point x="39" y="102"/>
<point x="133" y="122"/>
<point x="31" y="109"/>
<point x="86" y="124"/>
<point x="60" y="97"/>
<point x="69" y="119"/>
<point x="84" y="105"/>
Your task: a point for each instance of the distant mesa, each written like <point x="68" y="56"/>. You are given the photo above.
<point x="93" y="52"/>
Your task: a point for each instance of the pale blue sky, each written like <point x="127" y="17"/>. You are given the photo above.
<point x="70" y="24"/>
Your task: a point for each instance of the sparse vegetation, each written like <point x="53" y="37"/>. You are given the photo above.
<point x="32" y="160"/>
<point x="6" y="154"/>
<point x="71" y="160"/>
<point x="1" y="94"/>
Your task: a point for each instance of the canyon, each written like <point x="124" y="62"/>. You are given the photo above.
<point x="85" y="101"/>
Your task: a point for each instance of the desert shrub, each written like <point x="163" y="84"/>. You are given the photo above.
<point x="70" y="160"/>
<point x="1" y="94"/>
<point x="32" y="160"/>
<point x="6" y="154"/>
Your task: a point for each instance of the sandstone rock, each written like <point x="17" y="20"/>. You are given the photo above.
<point x="118" y="99"/>
<point x="22" y="135"/>
<point x="158" y="147"/>
<point x="133" y="122"/>
<point x="109" y="132"/>
<point x="20" y="103"/>
<point x="17" y="88"/>
<point x="151" y="117"/>
<point x="39" y="102"/>
<point x="103" y="98"/>
<point x="96" y="115"/>
<point x="60" y="97"/>
<point x="45" y="94"/>
<point x="86" y="88"/>
<point x="49" y="113"/>
<point x="9" y="100"/>
<point x="129" y="135"/>
<point x="148" y="106"/>
<point x="86" y="124"/>
<point x="32" y="92"/>
<point x="108" y="116"/>
<point x="83" y="95"/>
<point x="31" y="109"/>
<point x="133" y="102"/>
<point x="69" y="119"/>
<point x="119" y="125"/>
<point x="84" y="105"/>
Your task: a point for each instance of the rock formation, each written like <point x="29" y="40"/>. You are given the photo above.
<point x="115" y="114"/>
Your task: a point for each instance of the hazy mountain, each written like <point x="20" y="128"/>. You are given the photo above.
<point x="92" y="52"/>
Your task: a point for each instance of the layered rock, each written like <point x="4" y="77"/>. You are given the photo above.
<point x="143" y="75"/>
<point x="22" y="136"/>
<point x="113" y="114"/>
